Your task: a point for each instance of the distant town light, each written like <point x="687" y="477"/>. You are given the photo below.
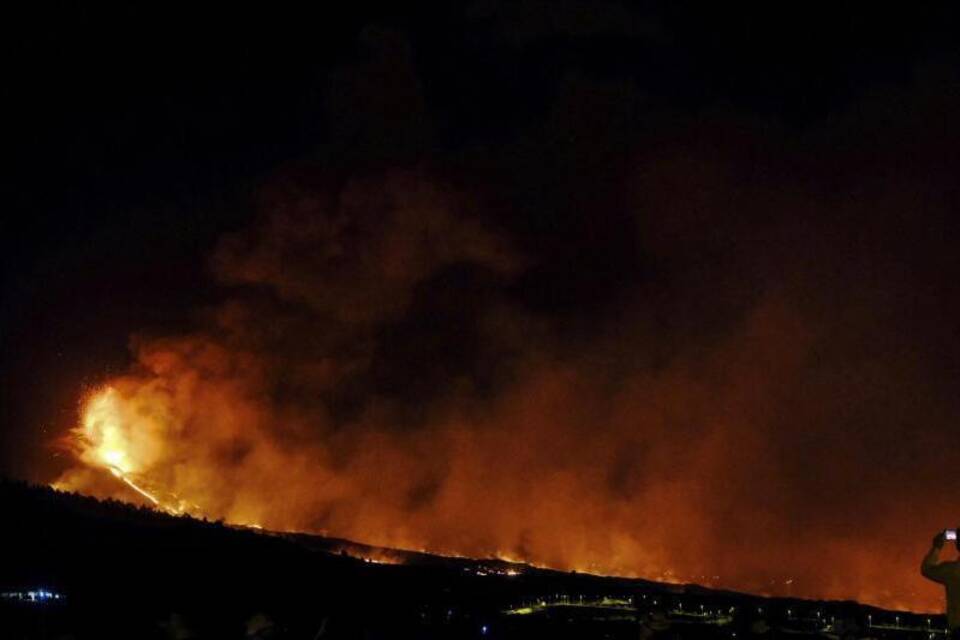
<point x="36" y="595"/>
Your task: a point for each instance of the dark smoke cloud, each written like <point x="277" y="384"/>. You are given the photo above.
<point x="684" y="346"/>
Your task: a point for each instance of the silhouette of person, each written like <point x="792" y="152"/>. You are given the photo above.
<point x="947" y="574"/>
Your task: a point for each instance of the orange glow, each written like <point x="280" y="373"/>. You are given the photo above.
<point x="102" y="438"/>
<point x="191" y="432"/>
<point x="373" y="556"/>
<point x="109" y="438"/>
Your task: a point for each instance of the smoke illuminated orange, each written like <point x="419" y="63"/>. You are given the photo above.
<point x="777" y="449"/>
<point x="121" y="434"/>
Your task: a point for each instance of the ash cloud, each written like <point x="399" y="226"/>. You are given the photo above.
<point x="713" y="346"/>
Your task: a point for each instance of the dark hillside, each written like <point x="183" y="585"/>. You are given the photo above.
<point x="129" y="572"/>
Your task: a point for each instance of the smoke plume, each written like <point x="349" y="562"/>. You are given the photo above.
<point x="701" y="353"/>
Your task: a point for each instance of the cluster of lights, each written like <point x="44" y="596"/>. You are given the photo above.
<point x="825" y="621"/>
<point x="40" y="595"/>
<point x="564" y="600"/>
<point x="492" y="571"/>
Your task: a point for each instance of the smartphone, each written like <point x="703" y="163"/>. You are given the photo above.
<point x="950" y="534"/>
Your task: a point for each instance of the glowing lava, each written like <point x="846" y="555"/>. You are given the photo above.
<point x="101" y="435"/>
<point x="101" y="441"/>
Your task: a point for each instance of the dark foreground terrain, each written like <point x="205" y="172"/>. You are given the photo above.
<point x="76" y="567"/>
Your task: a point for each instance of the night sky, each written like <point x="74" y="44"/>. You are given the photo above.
<point x="698" y="257"/>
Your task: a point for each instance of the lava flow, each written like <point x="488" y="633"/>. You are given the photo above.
<point x="102" y="442"/>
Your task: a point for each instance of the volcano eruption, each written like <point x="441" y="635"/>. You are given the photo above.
<point x="660" y="303"/>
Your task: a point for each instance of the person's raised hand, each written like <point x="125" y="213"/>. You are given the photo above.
<point x="939" y="539"/>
